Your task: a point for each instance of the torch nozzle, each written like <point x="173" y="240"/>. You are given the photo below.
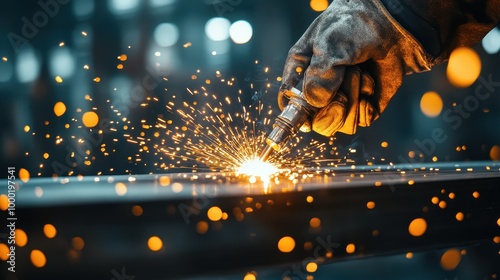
<point x="266" y="153"/>
<point x="287" y="124"/>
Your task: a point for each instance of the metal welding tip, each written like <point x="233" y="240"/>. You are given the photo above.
<point x="288" y="123"/>
<point x="266" y="153"/>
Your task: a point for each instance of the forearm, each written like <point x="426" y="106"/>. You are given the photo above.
<point x="456" y="22"/>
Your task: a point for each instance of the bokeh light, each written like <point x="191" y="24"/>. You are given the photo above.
<point x="24" y="175"/>
<point x="476" y="194"/>
<point x="417" y="227"/>
<point x="59" y="109"/>
<point x="214" y="213"/>
<point x="4" y="202"/>
<point x="217" y="29"/>
<point x="286" y="244"/>
<point x="120" y="189"/>
<point x="166" y="34"/>
<point x="90" y="119"/>
<point x="61" y="62"/>
<point x="318" y="5"/>
<point x="431" y="104"/>
<point x="177" y="187"/>
<point x="250" y="276"/>
<point x="38" y="258"/>
<point x="491" y="42"/>
<point x="27" y="66"/>
<point x="495" y="152"/>
<point x="241" y="32"/>
<point x="450" y="259"/>
<point x="315" y="222"/>
<point x="202" y="227"/>
<point x="350" y="248"/>
<point x="4" y="251"/>
<point x="311" y="267"/>
<point x="370" y="205"/>
<point x="463" y="67"/>
<point x="137" y="210"/>
<point x="155" y="243"/>
<point x="119" y="7"/>
<point x="77" y="243"/>
<point x="49" y="230"/>
<point x="164" y="181"/>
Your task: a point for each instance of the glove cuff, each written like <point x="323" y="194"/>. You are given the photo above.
<point x="416" y="58"/>
<point x="424" y="32"/>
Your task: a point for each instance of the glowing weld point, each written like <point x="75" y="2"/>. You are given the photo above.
<point x="257" y="168"/>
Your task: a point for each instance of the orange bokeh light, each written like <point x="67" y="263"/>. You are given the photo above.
<point x="38" y="258"/>
<point x="155" y="243"/>
<point x="495" y="152"/>
<point x="286" y="244"/>
<point x="417" y="227"/>
<point x="450" y="259"/>
<point x="318" y="5"/>
<point x="214" y="213"/>
<point x="463" y="67"/>
<point x="59" y="108"/>
<point x="431" y="104"/>
<point x="49" y="230"/>
<point x="90" y="119"/>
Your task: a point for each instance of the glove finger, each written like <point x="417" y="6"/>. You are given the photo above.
<point x="367" y="113"/>
<point x="297" y="61"/>
<point x="367" y="84"/>
<point x="367" y="108"/>
<point x="322" y="80"/>
<point x="331" y="117"/>
<point x="282" y="98"/>
<point x="306" y="127"/>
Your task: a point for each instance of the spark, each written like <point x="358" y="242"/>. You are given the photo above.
<point x="205" y="131"/>
<point x="215" y="125"/>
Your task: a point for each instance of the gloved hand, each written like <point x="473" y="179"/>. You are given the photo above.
<point x="352" y="60"/>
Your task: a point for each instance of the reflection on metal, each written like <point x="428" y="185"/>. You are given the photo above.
<point x="212" y="223"/>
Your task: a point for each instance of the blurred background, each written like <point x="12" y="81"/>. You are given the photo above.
<point x="66" y="66"/>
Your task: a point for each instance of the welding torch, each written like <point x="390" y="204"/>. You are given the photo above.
<point x="288" y="123"/>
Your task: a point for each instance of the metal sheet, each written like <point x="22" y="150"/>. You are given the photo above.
<point x="245" y="236"/>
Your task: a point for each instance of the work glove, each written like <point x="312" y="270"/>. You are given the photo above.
<point x="351" y="61"/>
